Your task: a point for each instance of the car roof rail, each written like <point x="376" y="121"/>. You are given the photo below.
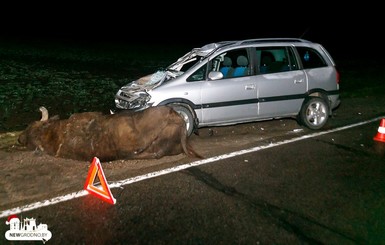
<point x="265" y="40"/>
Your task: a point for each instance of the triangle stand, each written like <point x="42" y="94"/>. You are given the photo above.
<point x="104" y="192"/>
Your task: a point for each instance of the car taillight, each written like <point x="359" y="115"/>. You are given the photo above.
<point x="338" y="76"/>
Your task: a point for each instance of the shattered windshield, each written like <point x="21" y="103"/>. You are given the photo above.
<point x="152" y="79"/>
<point x="191" y="58"/>
<point x="177" y="68"/>
<point x="158" y="76"/>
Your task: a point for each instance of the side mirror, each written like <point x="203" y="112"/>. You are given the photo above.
<point x="215" y="75"/>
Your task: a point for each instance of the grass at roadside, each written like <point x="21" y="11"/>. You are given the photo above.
<point x="69" y="78"/>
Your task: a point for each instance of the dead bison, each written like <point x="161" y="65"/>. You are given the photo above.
<point x="151" y="133"/>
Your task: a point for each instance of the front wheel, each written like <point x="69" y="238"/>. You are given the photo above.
<point x="314" y="113"/>
<point x="187" y="117"/>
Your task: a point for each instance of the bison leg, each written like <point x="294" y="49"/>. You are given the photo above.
<point x="167" y="142"/>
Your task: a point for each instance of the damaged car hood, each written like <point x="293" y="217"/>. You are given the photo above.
<point x="134" y="95"/>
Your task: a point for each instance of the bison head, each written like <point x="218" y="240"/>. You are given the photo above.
<point x="31" y="135"/>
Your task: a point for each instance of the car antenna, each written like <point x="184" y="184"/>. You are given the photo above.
<point x="304" y="33"/>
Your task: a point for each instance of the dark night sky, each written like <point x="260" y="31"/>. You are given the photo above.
<point x="195" y="26"/>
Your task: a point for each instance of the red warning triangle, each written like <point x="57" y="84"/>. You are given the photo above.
<point x="104" y="192"/>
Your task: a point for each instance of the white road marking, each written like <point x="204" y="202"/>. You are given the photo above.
<point x="118" y="184"/>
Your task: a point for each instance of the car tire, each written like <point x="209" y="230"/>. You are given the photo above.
<point x="314" y="113"/>
<point x="187" y="117"/>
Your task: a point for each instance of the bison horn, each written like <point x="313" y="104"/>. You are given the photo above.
<point x="44" y="113"/>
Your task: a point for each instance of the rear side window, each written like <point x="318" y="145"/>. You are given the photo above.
<point x="275" y="59"/>
<point x="310" y="58"/>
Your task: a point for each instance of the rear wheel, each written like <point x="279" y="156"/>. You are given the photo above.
<point x="314" y="113"/>
<point x="187" y="117"/>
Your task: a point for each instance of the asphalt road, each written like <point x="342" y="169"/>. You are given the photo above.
<point x="317" y="188"/>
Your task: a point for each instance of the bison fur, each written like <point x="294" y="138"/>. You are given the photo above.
<point x="149" y="134"/>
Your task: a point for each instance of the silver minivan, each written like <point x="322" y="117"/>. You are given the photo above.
<point x="242" y="81"/>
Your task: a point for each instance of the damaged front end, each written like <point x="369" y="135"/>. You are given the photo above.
<point x="134" y="95"/>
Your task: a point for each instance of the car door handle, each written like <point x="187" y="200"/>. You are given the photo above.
<point x="250" y="87"/>
<point x="298" y="81"/>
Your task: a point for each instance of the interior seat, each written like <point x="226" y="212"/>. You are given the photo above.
<point x="227" y="68"/>
<point x="241" y="69"/>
